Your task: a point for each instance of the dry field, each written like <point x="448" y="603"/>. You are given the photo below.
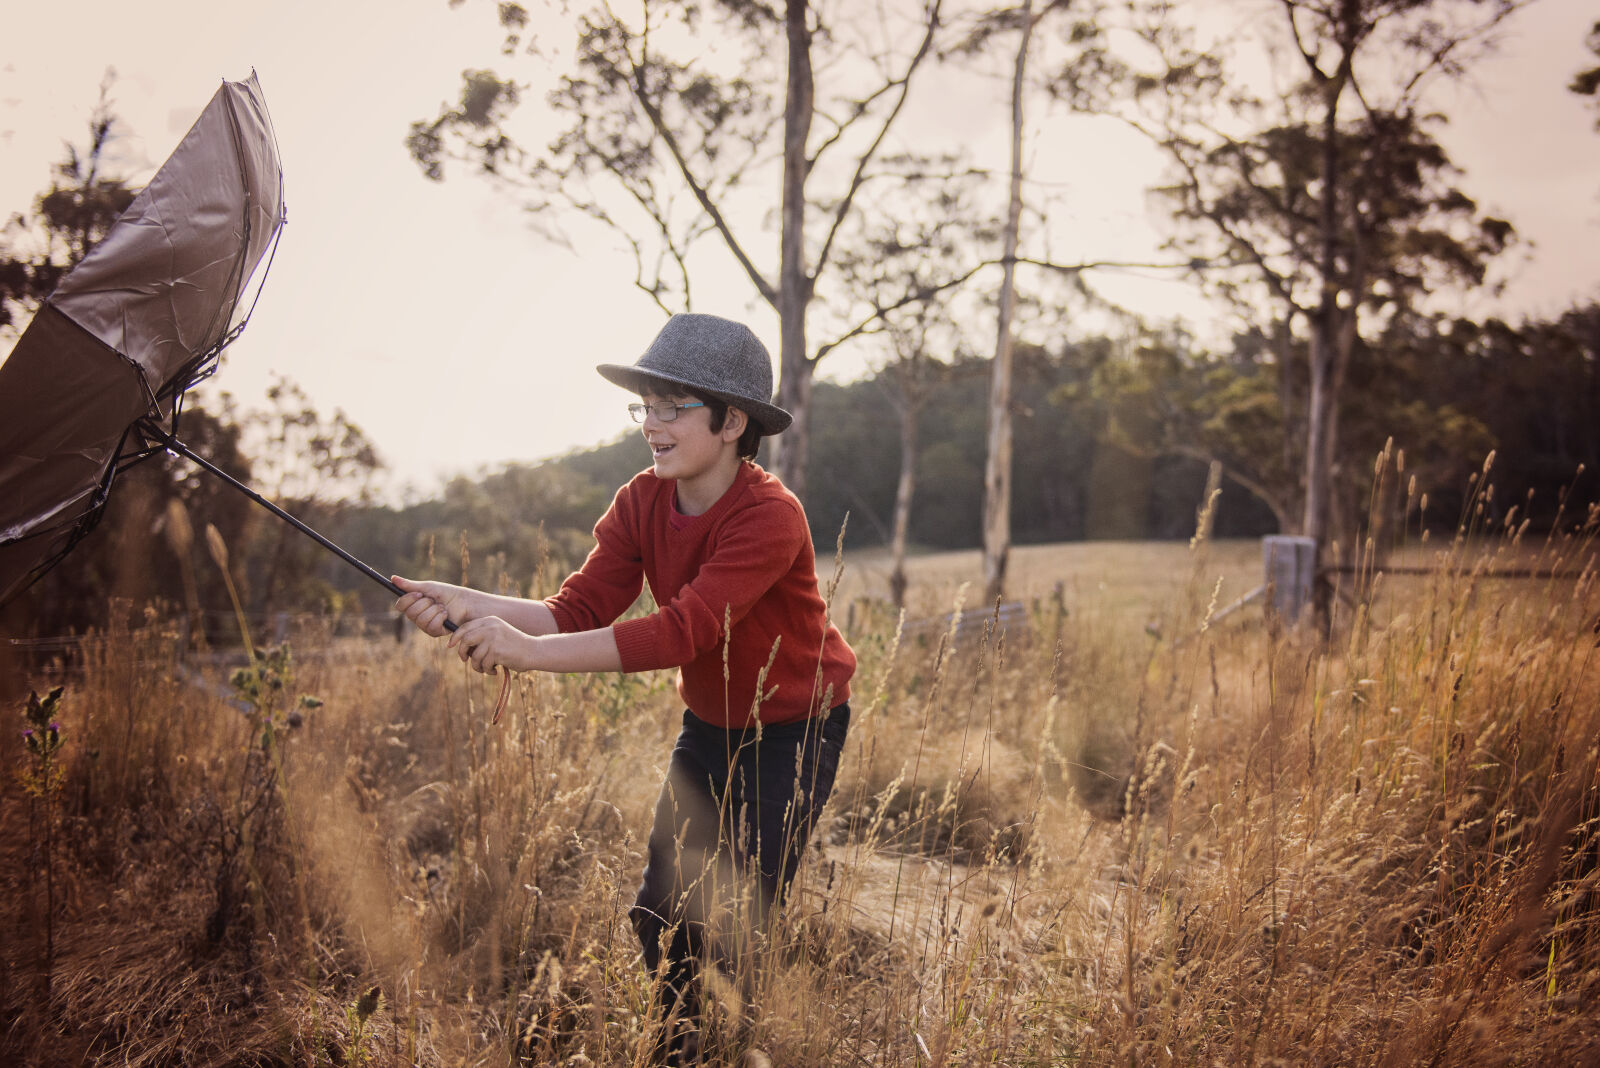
<point x="1122" y="585"/>
<point x="1121" y="833"/>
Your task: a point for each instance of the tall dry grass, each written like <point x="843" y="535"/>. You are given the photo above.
<point x="1183" y="841"/>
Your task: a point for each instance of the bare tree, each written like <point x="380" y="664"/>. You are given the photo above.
<point x="1083" y="41"/>
<point x="997" y="465"/>
<point x="1328" y="198"/>
<point x="906" y="274"/>
<point x="667" y="135"/>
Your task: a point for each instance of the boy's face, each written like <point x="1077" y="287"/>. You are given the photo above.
<point x="686" y="447"/>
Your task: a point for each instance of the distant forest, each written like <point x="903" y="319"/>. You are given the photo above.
<point x="1116" y="443"/>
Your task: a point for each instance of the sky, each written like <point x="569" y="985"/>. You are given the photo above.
<point x="457" y="338"/>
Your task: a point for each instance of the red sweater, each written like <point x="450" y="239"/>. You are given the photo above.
<point x="750" y="557"/>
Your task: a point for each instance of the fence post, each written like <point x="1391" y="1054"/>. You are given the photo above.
<point x="1290" y="563"/>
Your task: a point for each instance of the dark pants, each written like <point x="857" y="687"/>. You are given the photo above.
<point x="730" y="828"/>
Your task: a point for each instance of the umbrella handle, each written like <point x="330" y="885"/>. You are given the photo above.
<point x="174" y="445"/>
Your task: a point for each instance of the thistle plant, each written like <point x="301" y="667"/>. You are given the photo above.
<point x="358" y="1027"/>
<point x="42" y="779"/>
<point x="262" y="686"/>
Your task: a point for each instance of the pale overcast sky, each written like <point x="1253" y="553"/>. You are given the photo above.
<point x="456" y="337"/>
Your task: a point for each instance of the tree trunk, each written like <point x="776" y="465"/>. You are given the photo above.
<point x="903" y="495"/>
<point x="1320" y="431"/>
<point x="1283" y="343"/>
<point x="794" y="286"/>
<point x="997" y="472"/>
<point x="793" y="446"/>
<point x="1327" y="353"/>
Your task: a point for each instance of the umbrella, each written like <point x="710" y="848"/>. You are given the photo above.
<point x="96" y="382"/>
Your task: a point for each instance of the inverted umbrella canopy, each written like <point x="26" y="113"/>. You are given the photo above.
<point x="96" y="381"/>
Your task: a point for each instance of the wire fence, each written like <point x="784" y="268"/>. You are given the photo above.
<point x="268" y="628"/>
<point x="1475" y="572"/>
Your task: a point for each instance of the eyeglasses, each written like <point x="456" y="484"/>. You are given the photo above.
<point x="666" y="413"/>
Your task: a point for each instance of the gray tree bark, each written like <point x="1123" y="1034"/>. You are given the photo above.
<point x="997" y="469"/>
<point x="794" y="284"/>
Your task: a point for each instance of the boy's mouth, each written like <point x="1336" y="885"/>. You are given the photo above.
<point x="658" y="448"/>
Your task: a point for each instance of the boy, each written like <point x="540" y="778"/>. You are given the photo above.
<point x="727" y="552"/>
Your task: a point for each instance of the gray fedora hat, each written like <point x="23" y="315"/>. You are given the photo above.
<point x="714" y="355"/>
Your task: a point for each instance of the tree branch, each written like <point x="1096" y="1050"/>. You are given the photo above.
<point x="636" y="85"/>
<point x="1438" y="57"/>
<point x="841" y="127"/>
<point x="904" y="83"/>
<point x="1261" y="492"/>
<point x="1290" y="8"/>
<point x="1168" y="143"/>
<point x="650" y="201"/>
<point x="1091" y="265"/>
<point x="880" y="313"/>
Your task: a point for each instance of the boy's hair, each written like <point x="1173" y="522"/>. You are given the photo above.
<point x="749" y="441"/>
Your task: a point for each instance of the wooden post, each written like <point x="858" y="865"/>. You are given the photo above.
<point x="1290" y="563"/>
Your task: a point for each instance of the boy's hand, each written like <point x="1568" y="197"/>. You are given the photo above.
<point x="429" y="604"/>
<point x="491" y="642"/>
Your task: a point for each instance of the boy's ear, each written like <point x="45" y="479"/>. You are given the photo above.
<point x="734" y="424"/>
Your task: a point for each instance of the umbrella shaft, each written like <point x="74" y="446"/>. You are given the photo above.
<point x="183" y="450"/>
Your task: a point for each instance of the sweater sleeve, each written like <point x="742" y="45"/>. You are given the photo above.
<point x="612" y="575"/>
<point x="753" y="550"/>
